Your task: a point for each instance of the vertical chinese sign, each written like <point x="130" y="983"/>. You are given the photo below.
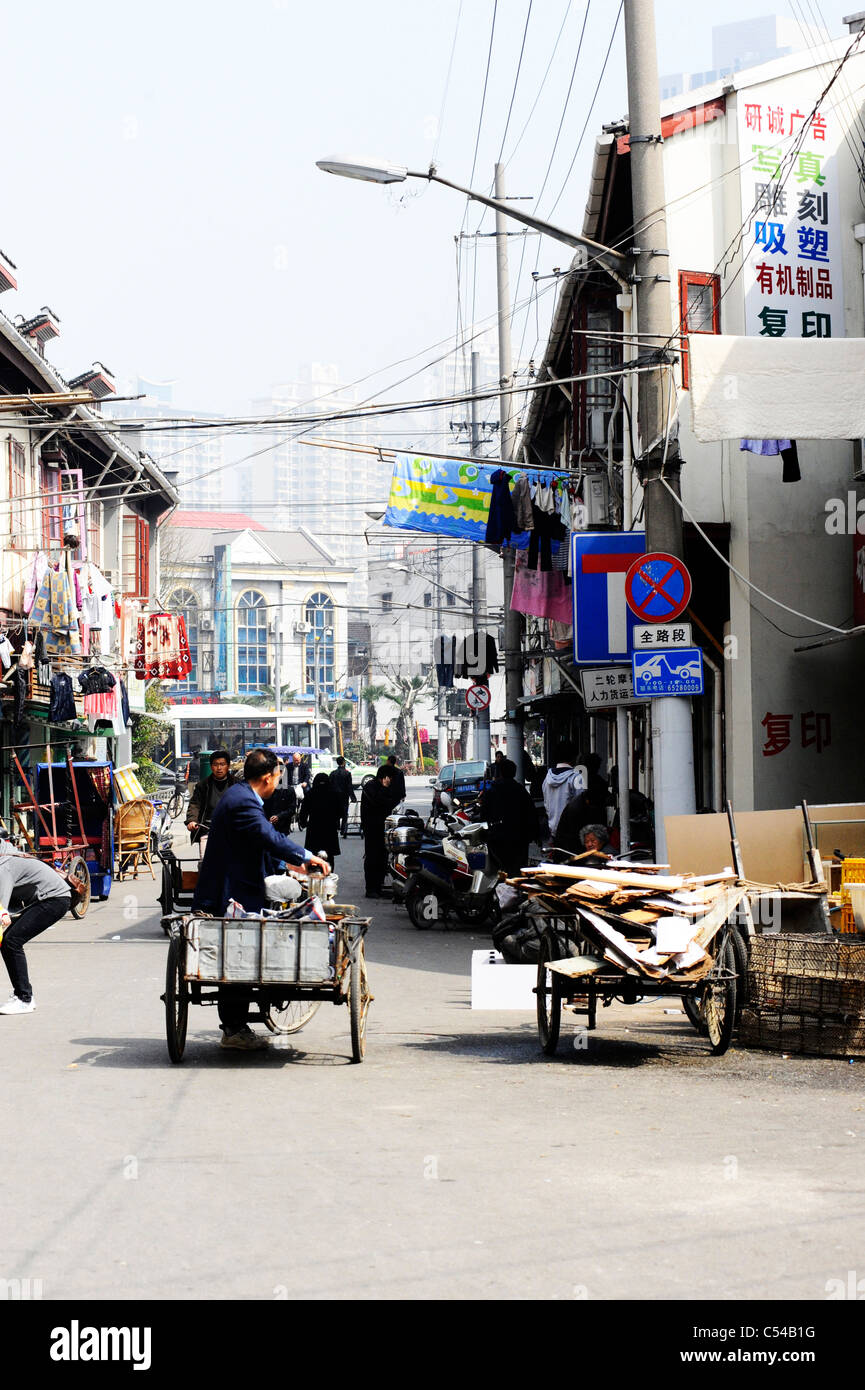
<point x="222" y="626"/>
<point x="789" y="182"/>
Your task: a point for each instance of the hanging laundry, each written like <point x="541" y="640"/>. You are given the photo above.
<point x="97" y="598"/>
<point x="477" y="656"/>
<point x="43" y="665"/>
<point x="124" y="705"/>
<point x="561" y="634"/>
<point x="5" y="652"/>
<point x="161" y="647"/>
<point x="20" y="683"/>
<point x="547" y="528"/>
<point x="502" y="521"/>
<point x="61" y="704"/>
<point x="521" y="501"/>
<point x="34" y="580"/>
<point x="96" y="680"/>
<point x="54" y="612"/>
<point x="766" y="448"/>
<point x="541" y="593"/>
<point x="444" y="657"/>
<point x="791" y="473"/>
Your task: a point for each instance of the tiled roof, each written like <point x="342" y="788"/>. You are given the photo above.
<point x="216" y="521"/>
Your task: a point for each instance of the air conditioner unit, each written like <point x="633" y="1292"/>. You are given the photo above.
<point x="205" y="624"/>
<point x="859" y="460"/>
<point x="302" y="628"/>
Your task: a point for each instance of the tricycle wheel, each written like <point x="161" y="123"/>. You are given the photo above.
<point x="739" y="945"/>
<point x="288" y="1016"/>
<point x="166" y="891"/>
<point x="77" y="869"/>
<point x="719" y="1006"/>
<point x="693" y="1005"/>
<point x="549" y="996"/>
<point x="176" y="1000"/>
<point x="358" y="1003"/>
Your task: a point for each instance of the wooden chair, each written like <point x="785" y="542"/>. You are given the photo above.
<point x="132" y="822"/>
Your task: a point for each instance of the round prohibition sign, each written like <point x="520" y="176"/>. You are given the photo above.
<point x="478" y="697"/>
<point x="658" y="587"/>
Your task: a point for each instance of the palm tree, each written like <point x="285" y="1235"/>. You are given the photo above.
<point x="405" y="692"/>
<point x="267" y="696"/>
<point x="371" y="693"/>
<point x="337" y="711"/>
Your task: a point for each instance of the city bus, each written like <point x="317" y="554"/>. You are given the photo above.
<point x="203" y="725"/>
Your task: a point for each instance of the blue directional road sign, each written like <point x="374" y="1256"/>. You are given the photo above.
<point x="677" y="671"/>
<point x="603" y="623"/>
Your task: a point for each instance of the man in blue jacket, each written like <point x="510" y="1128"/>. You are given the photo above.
<point x="242" y="848"/>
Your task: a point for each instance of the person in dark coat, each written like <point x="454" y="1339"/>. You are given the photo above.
<point x="513" y="820"/>
<point x="343" y="784"/>
<point x="320" y="813"/>
<point x="207" y="794"/>
<point x="397" y="781"/>
<point x="242" y="848"/>
<point x="376" y="804"/>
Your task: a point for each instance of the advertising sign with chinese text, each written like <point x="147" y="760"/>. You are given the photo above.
<point x="606" y="686"/>
<point x="662" y="635"/>
<point x="789" y="183"/>
<point x="672" y="672"/>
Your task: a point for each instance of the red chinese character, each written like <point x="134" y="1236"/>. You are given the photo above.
<point x="775" y="116"/>
<point x="795" y="116"/>
<point x="816" y="730"/>
<point x="753" y="117"/>
<point x="764" y="278"/>
<point x="805" y="281"/>
<point x="784" y="276"/>
<point x="777" y="728"/>
<point x="818" y="127"/>
<point x="824" y="285"/>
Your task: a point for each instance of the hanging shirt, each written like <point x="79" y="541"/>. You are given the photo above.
<point x="62" y="699"/>
<point x="502" y="521"/>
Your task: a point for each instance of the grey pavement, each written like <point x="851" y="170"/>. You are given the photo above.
<point x="456" y="1162"/>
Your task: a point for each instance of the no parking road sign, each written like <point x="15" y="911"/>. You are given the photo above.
<point x="658" y="587"/>
<point x="478" y="698"/>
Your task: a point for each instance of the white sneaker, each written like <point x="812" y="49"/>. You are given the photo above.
<point x="17" y="1006"/>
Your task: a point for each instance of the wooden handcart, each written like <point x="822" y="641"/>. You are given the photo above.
<point x="585" y="960"/>
<point x="291" y="967"/>
<point x="71" y="822"/>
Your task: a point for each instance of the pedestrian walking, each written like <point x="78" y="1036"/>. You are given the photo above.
<point x="45" y="896"/>
<point x="207" y="794"/>
<point x="376" y="804"/>
<point x="343" y="784"/>
<point x="562" y="785"/>
<point x="512" y="818"/>
<point x="319" y="815"/>
<point x="397" y="780"/>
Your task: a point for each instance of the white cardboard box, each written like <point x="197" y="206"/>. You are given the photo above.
<point x="497" y="985"/>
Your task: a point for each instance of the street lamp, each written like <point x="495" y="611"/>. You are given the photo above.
<point x="379" y="171"/>
<point x="662" y="520"/>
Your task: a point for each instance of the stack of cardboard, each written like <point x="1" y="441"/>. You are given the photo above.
<point x="637" y="918"/>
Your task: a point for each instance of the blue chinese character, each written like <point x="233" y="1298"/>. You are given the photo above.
<point x="771" y="236"/>
<point x="813" y="244"/>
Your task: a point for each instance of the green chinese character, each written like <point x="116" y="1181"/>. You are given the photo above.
<point x="808" y="168"/>
<point x="768" y="161"/>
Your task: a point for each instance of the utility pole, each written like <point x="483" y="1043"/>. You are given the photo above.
<point x="672" y="741"/>
<point x="512" y="623"/>
<point x="479" y="584"/>
<point x="441" y="717"/>
<point x="277" y="681"/>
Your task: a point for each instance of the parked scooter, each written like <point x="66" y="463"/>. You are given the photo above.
<point x="457" y="876"/>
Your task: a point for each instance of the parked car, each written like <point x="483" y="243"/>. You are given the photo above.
<point x="463" y="781"/>
<point x="326" y="762"/>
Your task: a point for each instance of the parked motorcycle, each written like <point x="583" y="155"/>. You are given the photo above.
<point x="455" y="877"/>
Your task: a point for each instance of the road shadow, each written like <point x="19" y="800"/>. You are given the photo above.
<point x="509" y="1050"/>
<point x="203" y="1053"/>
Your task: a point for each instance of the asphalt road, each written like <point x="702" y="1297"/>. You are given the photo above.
<point x="456" y="1162"/>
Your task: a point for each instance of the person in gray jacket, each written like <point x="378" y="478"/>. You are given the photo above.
<point x="563" y="783"/>
<point x="45" y="896"/>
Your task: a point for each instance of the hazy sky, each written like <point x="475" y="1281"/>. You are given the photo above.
<point x="160" y="185"/>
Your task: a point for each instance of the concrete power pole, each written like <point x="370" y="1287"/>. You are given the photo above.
<point x="507" y="436"/>
<point x="672" y="741"/>
<point x="479" y="583"/>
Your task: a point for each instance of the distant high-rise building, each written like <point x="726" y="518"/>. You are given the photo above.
<point x="744" y="44"/>
<point x="196" y="455"/>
